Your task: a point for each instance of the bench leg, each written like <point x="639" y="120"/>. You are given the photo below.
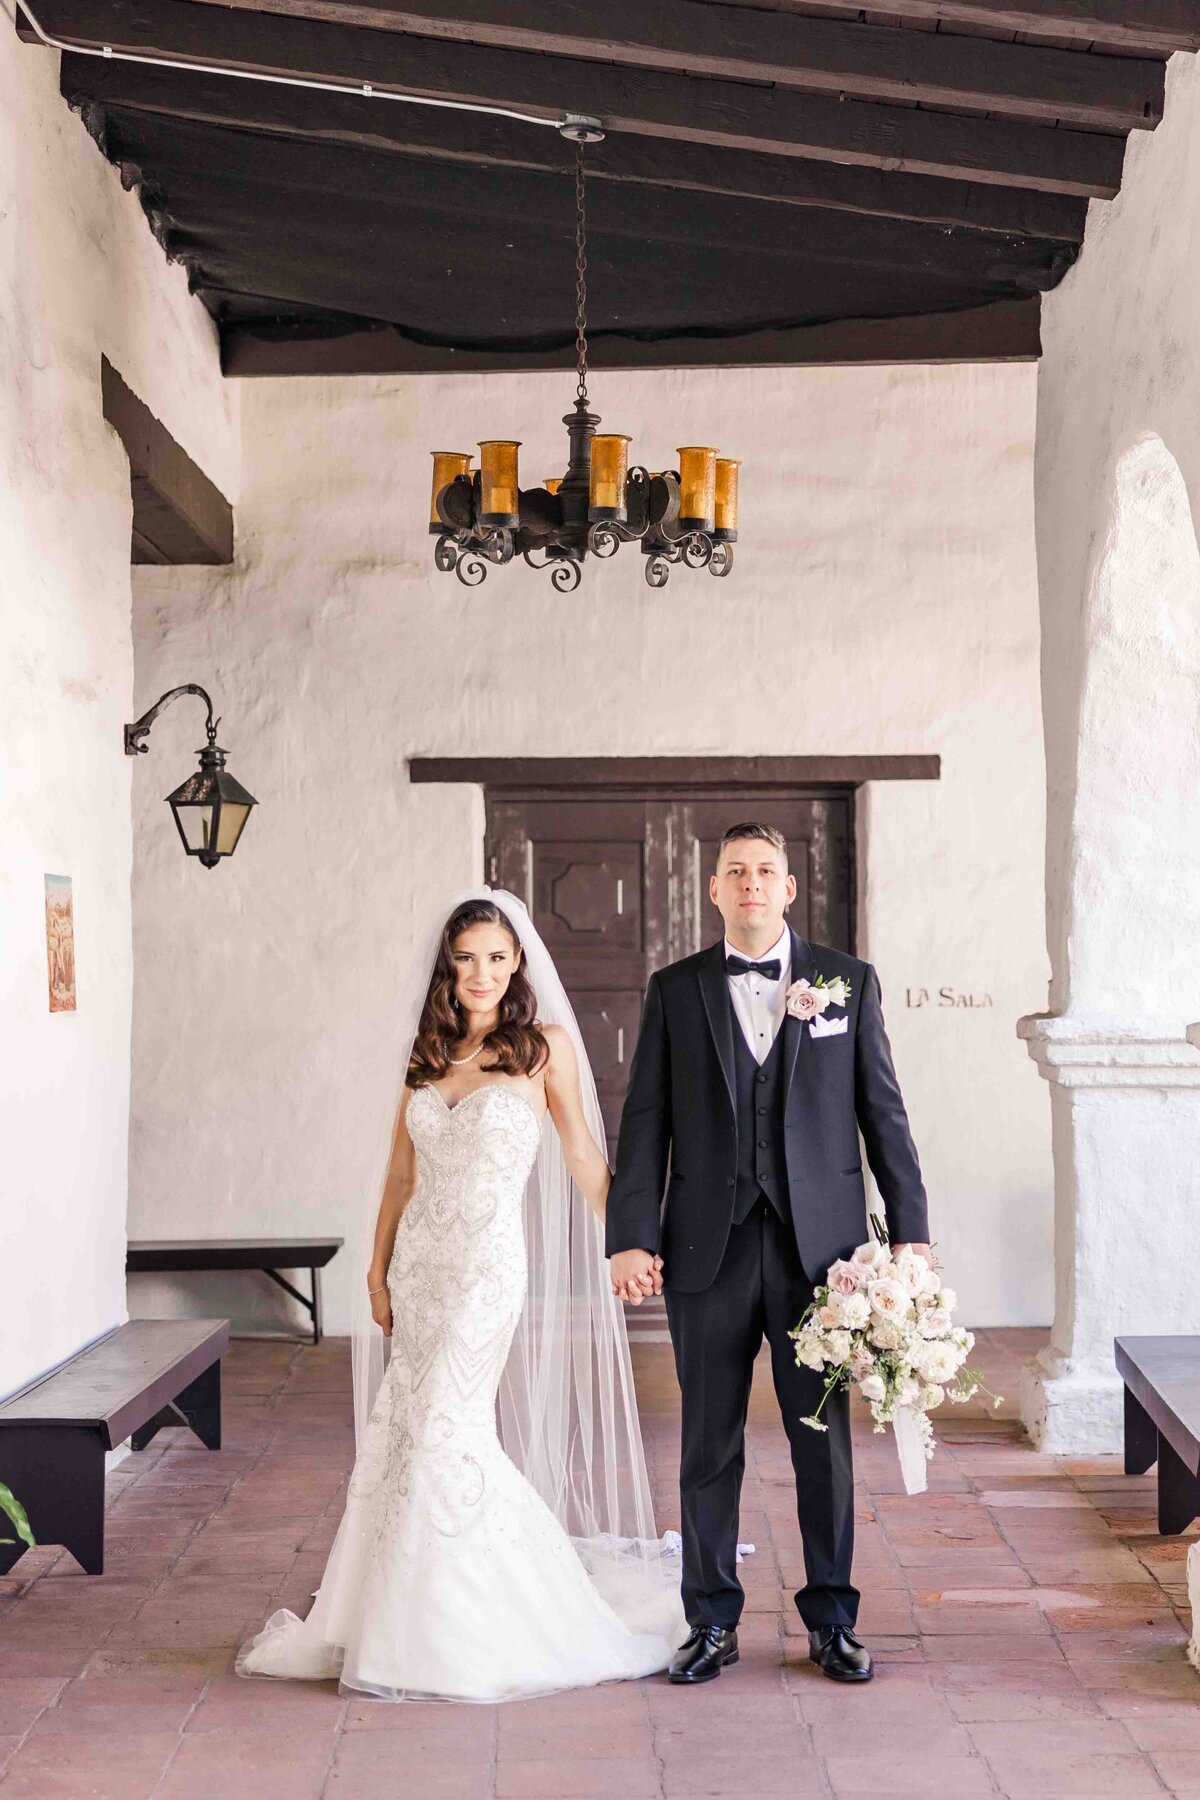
<point x="58" y="1476"/>
<point x="198" y="1407"/>
<point x="200" y="1404"/>
<point x="1178" y="1491"/>
<point x="1141" y="1437"/>
<point x="145" y="1434"/>
<point x="312" y="1307"/>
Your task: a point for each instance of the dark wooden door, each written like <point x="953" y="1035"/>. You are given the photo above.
<point x="617" y="882"/>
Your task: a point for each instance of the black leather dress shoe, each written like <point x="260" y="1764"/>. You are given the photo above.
<point x="839" y="1653"/>
<point x="704" y="1655"/>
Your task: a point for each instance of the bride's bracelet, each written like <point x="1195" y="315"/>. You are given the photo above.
<point x="371" y="1292"/>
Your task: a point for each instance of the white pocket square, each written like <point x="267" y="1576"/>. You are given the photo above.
<point x="827" y="1027"/>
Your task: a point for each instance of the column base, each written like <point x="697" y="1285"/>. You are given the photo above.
<point x="1072" y="1411"/>
<point x="1193" y="1582"/>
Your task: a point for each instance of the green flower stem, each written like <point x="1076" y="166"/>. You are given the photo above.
<point x="16" y="1512"/>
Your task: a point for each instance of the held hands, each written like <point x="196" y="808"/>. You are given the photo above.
<point x="635" y="1275"/>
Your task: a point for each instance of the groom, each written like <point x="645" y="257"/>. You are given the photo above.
<point x="747" y="1114"/>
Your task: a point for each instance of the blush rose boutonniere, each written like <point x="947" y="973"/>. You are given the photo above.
<point x="805" y="999"/>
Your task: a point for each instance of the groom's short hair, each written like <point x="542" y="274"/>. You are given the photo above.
<point x="751" y="828"/>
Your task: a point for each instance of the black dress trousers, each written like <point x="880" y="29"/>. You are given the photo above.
<point x="760" y="1291"/>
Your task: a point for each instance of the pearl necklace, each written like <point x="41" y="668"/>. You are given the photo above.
<point x="460" y="1062"/>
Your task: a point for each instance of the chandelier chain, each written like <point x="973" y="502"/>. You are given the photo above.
<point x="580" y="275"/>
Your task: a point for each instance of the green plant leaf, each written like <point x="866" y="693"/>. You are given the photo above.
<point x="12" y="1506"/>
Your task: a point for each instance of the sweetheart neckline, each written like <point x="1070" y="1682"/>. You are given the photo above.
<point x="486" y="1087"/>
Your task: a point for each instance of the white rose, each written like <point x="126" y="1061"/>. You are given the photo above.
<point x="886" y="1336"/>
<point x="889" y="1299"/>
<point x="809" y="1350"/>
<point x="872" y="1387"/>
<point x="837" y="1347"/>
<point x="908" y="1390"/>
<point x="871" y="1256"/>
<point x="949" y="1299"/>
<point x="932" y="1283"/>
<point x="939" y="1362"/>
<point x="910" y="1271"/>
<point x="934" y="1323"/>
<point x="855" y="1310"/>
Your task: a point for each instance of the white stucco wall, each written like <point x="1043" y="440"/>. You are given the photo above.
<point x="1117" y="487"/>
<point x="1121" y="359"/>
<point x="884" y="601"/>
<point x="80" y="276"/>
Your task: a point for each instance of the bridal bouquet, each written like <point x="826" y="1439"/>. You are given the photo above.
<point x="885" y="1324"/>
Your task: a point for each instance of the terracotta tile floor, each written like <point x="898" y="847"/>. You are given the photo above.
<point x="1028" y="1625"/>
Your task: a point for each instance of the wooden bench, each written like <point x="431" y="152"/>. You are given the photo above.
<point x="1162" y="1421"/>
<point x="178" y="1256"/>
<point x="54" y="1434"/>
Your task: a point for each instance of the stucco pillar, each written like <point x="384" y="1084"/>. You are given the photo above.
<point x="1125" y="1109"/>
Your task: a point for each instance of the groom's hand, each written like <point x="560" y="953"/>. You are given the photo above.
<point x="924" y="1250"/>
<point x="635" y="1275"/>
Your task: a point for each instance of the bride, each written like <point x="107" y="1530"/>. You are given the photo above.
<point x="498" y="1538"/>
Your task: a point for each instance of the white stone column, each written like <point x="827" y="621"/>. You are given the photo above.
<point x="1125" y="1108"/>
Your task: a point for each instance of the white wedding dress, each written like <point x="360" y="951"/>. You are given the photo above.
<point x="450" y="1577"/>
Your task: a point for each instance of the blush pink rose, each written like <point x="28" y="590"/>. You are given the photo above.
<point x="846" y="1277"/>
<point x="804" y="1001"/>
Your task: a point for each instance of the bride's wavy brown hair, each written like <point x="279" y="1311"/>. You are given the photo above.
<point x="516" y="1047"/>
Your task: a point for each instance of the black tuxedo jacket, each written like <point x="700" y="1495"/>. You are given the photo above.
<point x="679" y="1127"/>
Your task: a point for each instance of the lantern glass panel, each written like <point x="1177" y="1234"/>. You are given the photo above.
<point x="552" y="483"/>
<point x="498" y="474"/>
<point x="447" y="466"/>
<point x="726" y="511"/>
<point x="610" y="463"/>
<point x="697" y="481"/>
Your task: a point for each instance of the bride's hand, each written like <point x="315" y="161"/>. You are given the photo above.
<point x="381" y="1311"/>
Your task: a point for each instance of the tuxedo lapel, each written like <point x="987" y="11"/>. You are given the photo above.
<point x="803" y="969"/>
<point x="714" y="991"/>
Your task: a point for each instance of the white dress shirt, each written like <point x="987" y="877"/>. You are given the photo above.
<point x="760" y="1004"/>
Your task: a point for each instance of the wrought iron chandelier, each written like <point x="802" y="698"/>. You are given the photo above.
<point x="480" y="516"/>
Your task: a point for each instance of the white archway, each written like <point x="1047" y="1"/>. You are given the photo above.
<point x="1134" y="940"/>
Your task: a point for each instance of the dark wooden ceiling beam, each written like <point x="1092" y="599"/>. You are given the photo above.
<point x="179" y="515"/>
<point x="870" y="62"/>
<point x="192" y="160"/>
<point x="1006" y="331"/>
<point x="649" y="103"/>
<point x="476" y="138"/>
<point x="1154" y="27"/>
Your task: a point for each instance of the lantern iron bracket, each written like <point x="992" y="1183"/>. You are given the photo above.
<point x="137" y="733"/>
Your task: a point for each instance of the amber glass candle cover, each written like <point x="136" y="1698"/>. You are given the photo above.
<point x="697" y="481"/>
<point x="498" y="467"/>
<point x="610" y="462"/>
<point x="726" y="511"/>
<point x="447" y="464"/>
<point x="552" y="483"/>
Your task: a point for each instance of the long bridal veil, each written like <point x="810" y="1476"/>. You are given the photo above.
<point x="567" y="1411"/>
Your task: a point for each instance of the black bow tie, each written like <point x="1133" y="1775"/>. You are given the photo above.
<point x="737" y="965"/>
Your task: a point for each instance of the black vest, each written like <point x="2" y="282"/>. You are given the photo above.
<point x="762" y="1165"/>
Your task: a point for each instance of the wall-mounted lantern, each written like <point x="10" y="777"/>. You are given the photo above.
<point x="210" y="808"/>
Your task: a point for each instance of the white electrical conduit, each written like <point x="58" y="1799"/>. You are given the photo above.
<point x="364" y="90"/>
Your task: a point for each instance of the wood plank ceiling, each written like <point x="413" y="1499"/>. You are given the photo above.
<point x="780" y="181"/>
